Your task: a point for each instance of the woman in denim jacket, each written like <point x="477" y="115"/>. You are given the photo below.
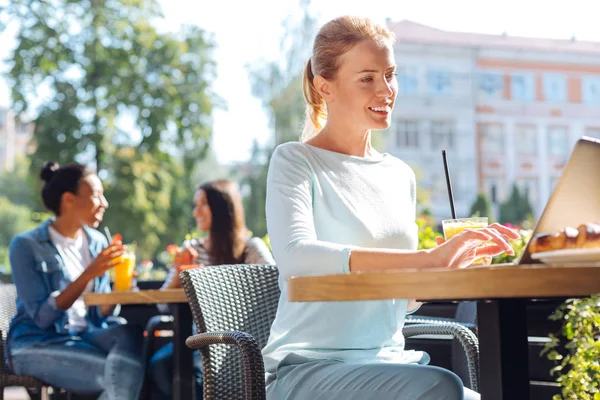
<point x="54" y="336"/>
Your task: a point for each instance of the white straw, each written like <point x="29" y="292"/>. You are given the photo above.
<point x="108" y="235"/>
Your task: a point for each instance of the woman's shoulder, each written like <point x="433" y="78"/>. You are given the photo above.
<point x="37" y="234"/>
<point x="399" y="164"/>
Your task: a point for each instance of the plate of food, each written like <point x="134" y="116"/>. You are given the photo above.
<point x="569" y="245"/>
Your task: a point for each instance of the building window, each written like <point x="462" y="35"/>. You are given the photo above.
<point x="593" y="132"/>
<point x="529" y="188"/>
<point x="492" y="138"/>
<point x="591" y="89"/>
<point x="555" y="88"/>
<point x="491" y="85"/>
<point x="442" y="135"/>
<point x="408" y="81"/>
<point x="407" y="134"/>
<point x="439" y="81"/>
<point x="558" y="141"/>
<point x="526" y="139"/>
<point x="522" y="87"/>
<point x="494" y="189"/>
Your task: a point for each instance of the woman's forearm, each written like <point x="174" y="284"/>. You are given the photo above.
<point x="367" y="259"/>
<point x="67" y="297"/>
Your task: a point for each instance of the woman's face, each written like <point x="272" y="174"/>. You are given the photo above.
<point x="365" y="87"/>
<point x="89" y="203"/>
<point x="201" y="212"/>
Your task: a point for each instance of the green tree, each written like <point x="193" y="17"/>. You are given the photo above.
<point x="21" y="188"/>
<point x="516" y="208"/>
<point x="14" y="219"/>
<point x="97" y="80"/>
<point x="100" y="63"/>
<point x="278" y="84"/>
<point x="254" y="186"/>
<point x="143" y="192"/>
<point x="481" y="207"/>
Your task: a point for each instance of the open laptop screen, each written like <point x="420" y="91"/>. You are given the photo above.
<point x="576" y="197"/>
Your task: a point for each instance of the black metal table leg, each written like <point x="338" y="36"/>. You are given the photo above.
<point x="503" y="349"/>
<point x="184" y="380"/>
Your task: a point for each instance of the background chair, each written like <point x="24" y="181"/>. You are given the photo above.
<point x="236" y="305"/>
<point x="8" y="308"/>
<point x="156" y="323"/>
<point x="465" y="360"/>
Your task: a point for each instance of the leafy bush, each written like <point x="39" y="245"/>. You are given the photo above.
<point x="579" y="366"/>
<point x="518" y="246"/>
<point x="427" y="234"/>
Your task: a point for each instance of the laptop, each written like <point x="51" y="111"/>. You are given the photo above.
<point x="576" y="197"/>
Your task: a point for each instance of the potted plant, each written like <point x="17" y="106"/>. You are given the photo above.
<point x="578" y="361"/>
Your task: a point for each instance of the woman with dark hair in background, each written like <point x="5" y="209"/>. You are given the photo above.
<point x="54" y="336"/>
<point x="218" y="210"/>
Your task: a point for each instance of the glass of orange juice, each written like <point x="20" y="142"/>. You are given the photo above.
<point x="124" y="271"/>
<point x="453" y="227"/>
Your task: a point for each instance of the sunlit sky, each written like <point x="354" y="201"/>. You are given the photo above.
<point x="250" y="30"/>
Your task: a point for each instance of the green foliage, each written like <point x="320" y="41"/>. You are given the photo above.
<point x="516" y="208"/>
<point x="19" y="188"/>
<point x="121" y="96"/>
<point x="427" y="235"/>
<point x="14" y="219"/>
<point x="267" y="241"/>
<point x="518" y="246"/>
<point x="578" y="368"/>
<point x="148" y="204"/>
<point x="255" y="186"/>
<point x="481" y="207"/>
<point x="100" y="62"/>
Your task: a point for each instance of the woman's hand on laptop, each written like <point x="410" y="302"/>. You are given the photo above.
<point x="472" y="244"/>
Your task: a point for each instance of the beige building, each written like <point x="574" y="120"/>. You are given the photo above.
<point x="508" y="110"/>
<point x="15" y="138"/>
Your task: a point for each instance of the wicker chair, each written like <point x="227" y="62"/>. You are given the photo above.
<point x="8" y="308"/>
<point x="236" y="305"/>
<point x="464" y="364"/>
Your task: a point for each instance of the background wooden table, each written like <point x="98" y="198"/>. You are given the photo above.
<point x="501" y="291"/>
<point x="138" y="297"/>
<point x="184" y="379"/>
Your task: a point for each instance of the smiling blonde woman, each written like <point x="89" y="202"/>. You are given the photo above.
<point x="335" y="205"/>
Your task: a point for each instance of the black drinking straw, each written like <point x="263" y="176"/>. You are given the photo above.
<point x="449" y="184"/>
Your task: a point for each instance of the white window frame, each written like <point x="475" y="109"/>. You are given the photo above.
<point x="552" y="82"/>
<point x="528" y="87"/>
<point x="435" y="76"/>
<point x="490" y="84"/>
<point x="407" y="133"/>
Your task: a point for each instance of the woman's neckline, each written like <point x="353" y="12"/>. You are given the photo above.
<point x="373" y="158"/>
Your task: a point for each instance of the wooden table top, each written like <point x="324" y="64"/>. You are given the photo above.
<point x="493" y="282"/>
<point x="139" y="297"/>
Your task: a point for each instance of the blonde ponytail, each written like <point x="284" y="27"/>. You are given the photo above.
<point x="316" y="113"/>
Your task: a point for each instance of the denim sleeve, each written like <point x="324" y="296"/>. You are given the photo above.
<point x="39" y="303"/>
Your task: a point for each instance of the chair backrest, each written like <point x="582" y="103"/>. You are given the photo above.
<point x="8" y="306"/>
<point x="231" y="298"/>
<point x="466" y="312"/>
<point x="8" y="309"/>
